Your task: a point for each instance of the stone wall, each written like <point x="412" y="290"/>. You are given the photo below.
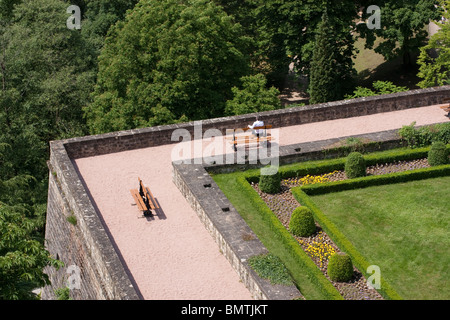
<point x="235" y="239"/>
<point x="161" y="135"/>
<point x="84" y="244"/>
<point x="88" y="245"/>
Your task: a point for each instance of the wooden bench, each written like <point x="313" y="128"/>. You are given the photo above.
<point x="447" y="107"/>
<point x="144" y="199"/>
<point x="246" y="140"/>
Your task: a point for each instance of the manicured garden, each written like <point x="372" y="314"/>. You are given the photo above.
<point x="393" y="217"/>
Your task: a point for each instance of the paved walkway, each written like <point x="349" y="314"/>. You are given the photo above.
<point x="172" y="256"/>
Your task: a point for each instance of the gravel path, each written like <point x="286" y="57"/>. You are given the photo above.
<point x="172" y="256"/>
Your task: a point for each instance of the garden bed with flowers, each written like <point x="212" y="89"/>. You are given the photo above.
<point x="319" y="246"/>
<point x="383" y="168"/>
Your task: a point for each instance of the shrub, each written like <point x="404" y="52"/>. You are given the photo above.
<point x="355" y="166"/>
<point x="269" y="266"/>
<point x="302" y="223"/>
<point x="270" y="183"/>
<point x="438" y="154"/>
<point x="340" y="267"/>
<point x="426" y="135"/>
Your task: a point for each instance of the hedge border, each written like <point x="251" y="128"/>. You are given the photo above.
<point x="324" y="166"/>
<point x="301" y="194"/>
<point x="294" y="248"/>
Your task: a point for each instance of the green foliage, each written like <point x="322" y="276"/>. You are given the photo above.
<point x="302" y="223"/>
<point x="426" y="135"/>
<point x="341" y="241"/>
<point x="355" y="166"/>
<point x="270" y="183"/>
<point x="381" y="87"/>
<point x="270" y="267"/>
<point x="434" y="58"/>
<point x="438" y="154"/>
<point x="332" y="70"/>
<point x="403" y="27"/>
<point x="340" y="267"/>
<point x="72" y="219"/>
<point x="168" y="61"/>
<point x="253" y="97"/>
<point x="63" y="294"/>
<point x="278" y="231"/>
<point x="22" y="255"/>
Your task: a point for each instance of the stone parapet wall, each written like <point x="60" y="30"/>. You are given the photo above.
<point x="235" y="239"/>
<point x="85" y="245"/>
<point x="88" y="245"/>
<point x="162" y="135"/>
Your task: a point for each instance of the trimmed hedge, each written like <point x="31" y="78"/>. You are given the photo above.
<point x="291" y="245"/>
<point x="325" y="166"/>
<point x="302" y="223"/>
<point x="438" y="154"/>
<point x="397" y="177"/>
<point x="340" y="267"/>
<point x="342" y="242"/>
<point x="355" y="165"/>
<point x="270" y="183"/>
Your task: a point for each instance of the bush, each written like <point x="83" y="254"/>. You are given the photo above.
<point x="270" y="183"/>
<point x="426" y="135"/>
<point x="302" y="223"/>
<point x="270" y="267"/>
<point x="340" y="267"/>
<point x="355" y="166"/>
<point x="438" y="154"/>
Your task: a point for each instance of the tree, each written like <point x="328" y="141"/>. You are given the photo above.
<point x="284" y="31"/>
<point x="253" y="97"/>
<point x="381" y="87"/>
<point x="332" y="71"/>
<point x="434" y="58"/>
<point x="169" y="61"/>
<point x="402" y="27"/>
<point x="22" y="253"/>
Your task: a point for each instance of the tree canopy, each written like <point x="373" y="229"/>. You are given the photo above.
<point x="168" y="61"/>
<point x="402" y="29"/>
<point x="434" y="58"/>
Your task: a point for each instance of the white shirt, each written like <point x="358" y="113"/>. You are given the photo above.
<point x="257" y="123"/>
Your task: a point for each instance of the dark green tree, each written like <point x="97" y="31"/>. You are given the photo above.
<point x="253" y="96"/>
<point x="331" y="74"/>
<point x="168" y="61"/>
<point x="434" y="58"/>
<point x="402" y="29"/>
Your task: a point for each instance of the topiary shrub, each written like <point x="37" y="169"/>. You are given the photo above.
<point x="438" y="154"/>
<point x="355" y="165"/>
<point x="270" y="183"/>
<point x="340" y="267"/>
<point x="302" y="223"/>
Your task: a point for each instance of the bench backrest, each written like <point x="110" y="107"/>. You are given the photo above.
<point x="255" y="128"/>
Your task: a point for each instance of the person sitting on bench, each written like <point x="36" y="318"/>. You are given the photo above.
<point x="257" y="123"/>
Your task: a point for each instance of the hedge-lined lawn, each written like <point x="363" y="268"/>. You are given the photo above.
<point x="403" y="228"/>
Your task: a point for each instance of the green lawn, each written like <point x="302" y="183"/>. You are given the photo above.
<point x="403" y="228"/>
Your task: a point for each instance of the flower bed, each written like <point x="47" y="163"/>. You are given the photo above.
<point x="319" y="246"/>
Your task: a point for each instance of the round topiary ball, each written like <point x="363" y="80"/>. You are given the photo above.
<point x="270" y="183"/>
<point x="302" y="223"/>
<point x="340" y="267"/>
<point x="355" y="165"/>
<point x="438" y="154"/>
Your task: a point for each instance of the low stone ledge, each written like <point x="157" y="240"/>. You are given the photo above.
<point x="234" y="237"/>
